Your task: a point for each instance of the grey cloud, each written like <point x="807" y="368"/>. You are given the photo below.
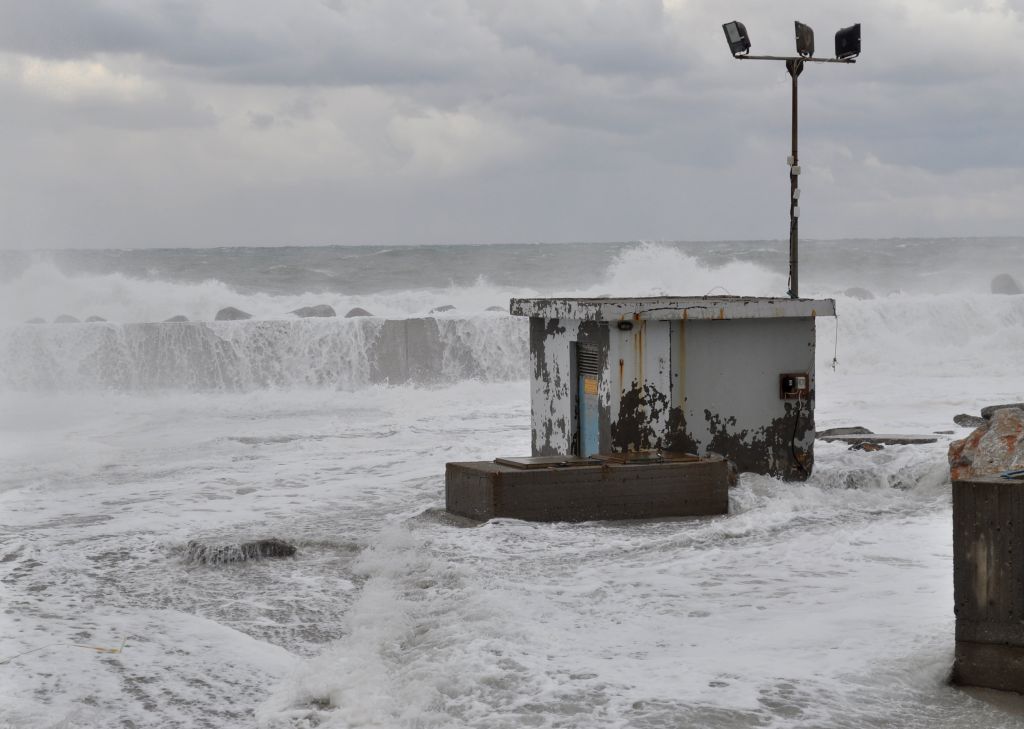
<point x="300" y="42"/>
<point x="628" y="39"/>
<point x="29" y="114"/>
<point x="632" y="120"/>
<point x="306" y="42"/>
<point x="173" y="31"/>
<point x="260" y="120"/>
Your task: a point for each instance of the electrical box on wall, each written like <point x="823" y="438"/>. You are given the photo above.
<point x="794" y="386"/>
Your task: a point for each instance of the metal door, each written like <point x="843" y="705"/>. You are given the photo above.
<point x="587" y="373"/>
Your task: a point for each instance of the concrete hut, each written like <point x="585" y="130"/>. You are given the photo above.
<point x="638" y="404"/>
<point x="727" y="375"/>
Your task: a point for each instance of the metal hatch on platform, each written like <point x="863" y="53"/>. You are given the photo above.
<point x="647" y="456"/>
<point x="626" y="458"/>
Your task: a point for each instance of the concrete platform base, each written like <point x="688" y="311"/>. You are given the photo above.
<point x="578" y="490"/>
<point x="989" y="665"/>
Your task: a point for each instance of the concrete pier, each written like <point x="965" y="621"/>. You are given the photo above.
<point x="988" y="582"/>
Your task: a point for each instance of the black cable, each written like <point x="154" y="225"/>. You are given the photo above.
<point x="792" y="441"/>
<point x="835" y="351"/>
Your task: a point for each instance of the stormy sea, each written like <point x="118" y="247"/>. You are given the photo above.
<point x="136" y="454"/>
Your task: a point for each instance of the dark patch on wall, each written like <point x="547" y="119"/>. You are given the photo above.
<point x="538" y="333"/>
<point x="638" y="408"/>
<point x="676" y="437"/>
<point x="775" y="450"/>
<point x="543" y="448"/>
<point x="551" y="326"/>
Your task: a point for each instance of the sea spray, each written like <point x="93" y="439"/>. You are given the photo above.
<point x="824" y="604"/>
<point x="652" y="269"/>
<point x="963" y="335"/>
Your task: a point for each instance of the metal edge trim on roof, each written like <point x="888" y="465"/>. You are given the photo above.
<point x="672" y="308"/>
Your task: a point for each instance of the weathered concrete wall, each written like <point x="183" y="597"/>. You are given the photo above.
<point x="695" y="385"/>
<point x="243" y="355"/>
<point x="553" y="386"/>
<point x="640" y="369"/>
<point x="406" y="350"/>
<point x="551" y="402"/>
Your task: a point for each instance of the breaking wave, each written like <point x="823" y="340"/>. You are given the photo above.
<point x="655" y="269"/>
<point x="952" y="335"/>
<point x="45" y="292"/>
<point x="949" y="334"/>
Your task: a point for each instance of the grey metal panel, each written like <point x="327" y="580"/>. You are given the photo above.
<point x="729" y="394"/>
<point x="673" y="307"/>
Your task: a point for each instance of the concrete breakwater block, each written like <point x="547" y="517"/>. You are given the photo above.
<point x="197" y="552"/>
<point x="988" y="582"/>
<point x="320" y="310"/>
<point x="230" y="313"/>
<point x="569" y="488"/>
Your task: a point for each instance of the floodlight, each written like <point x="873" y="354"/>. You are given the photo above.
<point x="848" y="42"/>
<point x="847" y="48"/>
<point x="804" y="40"/>
<point x="736" y="35"/>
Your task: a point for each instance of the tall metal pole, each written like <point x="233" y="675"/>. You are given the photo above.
<point x="794" y="67"/>
<point x="736" y="34"/>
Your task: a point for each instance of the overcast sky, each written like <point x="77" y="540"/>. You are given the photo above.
<point x="138" y="123"/>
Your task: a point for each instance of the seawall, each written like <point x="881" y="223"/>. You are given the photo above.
<point x="246" y="355"/>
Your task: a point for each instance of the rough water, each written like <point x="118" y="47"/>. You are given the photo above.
<point x="122" y="443"/>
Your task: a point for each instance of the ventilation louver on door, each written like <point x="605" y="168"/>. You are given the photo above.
<point x="586" y="360"/>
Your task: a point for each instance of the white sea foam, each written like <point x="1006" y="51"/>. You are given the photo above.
<point x="958" y="333"/>
<point x="954" y="335"/>
<point x="44" y="291"/>
<point x="823" y="604"/>
<point x="247" y="355"/>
